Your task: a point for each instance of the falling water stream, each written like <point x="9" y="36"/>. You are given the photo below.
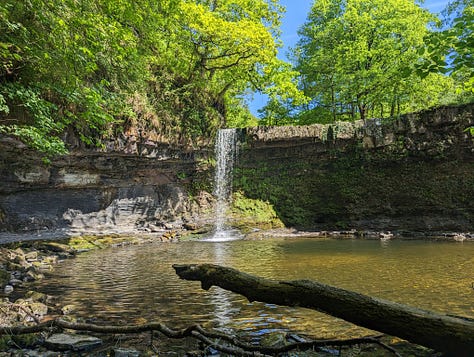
<point x="225" y="151"/>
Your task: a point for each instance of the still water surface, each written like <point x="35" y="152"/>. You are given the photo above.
<point x="137" y="283"/>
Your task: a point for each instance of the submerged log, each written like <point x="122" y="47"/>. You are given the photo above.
<point x="451" y="335"/>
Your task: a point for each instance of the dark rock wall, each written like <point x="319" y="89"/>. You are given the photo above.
<point x="415" y="173"/>
<point x="95" y="192"/>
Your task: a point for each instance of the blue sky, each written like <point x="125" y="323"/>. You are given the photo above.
<point x="295" y="16"/>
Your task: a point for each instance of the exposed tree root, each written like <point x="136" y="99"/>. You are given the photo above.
<point x="214" y="339"/>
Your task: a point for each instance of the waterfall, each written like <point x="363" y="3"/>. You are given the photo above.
<point x="225" y="151"/>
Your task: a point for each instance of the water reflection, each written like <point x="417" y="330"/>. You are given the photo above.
<point x="136" y="283"/>
<point x="220" y="298"/>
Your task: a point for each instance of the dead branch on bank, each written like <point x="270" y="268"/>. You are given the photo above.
<point x="234" y="346"/>
<point x="451" y="335"/>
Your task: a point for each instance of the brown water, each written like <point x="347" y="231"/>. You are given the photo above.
<point x="137" y="283"/>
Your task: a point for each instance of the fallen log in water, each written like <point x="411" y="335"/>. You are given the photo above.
<point x="451" y="335"/>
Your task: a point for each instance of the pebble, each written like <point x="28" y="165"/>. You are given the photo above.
<point x="123" y="352"/>
<point x="15" y="282"/>
<point x="66" y="310"/>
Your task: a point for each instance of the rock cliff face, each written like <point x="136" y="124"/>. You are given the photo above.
<point x="91" y="192"/>
<point x="415" y="173"/>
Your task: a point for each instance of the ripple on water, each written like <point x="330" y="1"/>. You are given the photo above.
<point x="138" y="282"/>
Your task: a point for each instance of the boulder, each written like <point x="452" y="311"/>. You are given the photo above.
<point x="31" y="308"/>
<point x="72" y="342"/>
<point x="36" y="296"/>
<point x="31" y="256"/>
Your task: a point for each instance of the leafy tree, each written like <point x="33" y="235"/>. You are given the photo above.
<point x="277" y="112"/>
<point x="164" y="69"/>
<point x="234" y="48"/>
<point x="356" y="57"/>
<point x="450" y="50"/>
<point x="238" y="113"/>
<point x="56" y="62"/>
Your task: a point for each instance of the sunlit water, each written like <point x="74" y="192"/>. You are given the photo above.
<point x="137" y="283"/>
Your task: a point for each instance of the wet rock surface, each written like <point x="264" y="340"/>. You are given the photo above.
<point x="95" y="192"/>
<point x="72" y="342"/>
<point x="124" y="352"/>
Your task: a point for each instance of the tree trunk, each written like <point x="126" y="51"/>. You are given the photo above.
<point x="451" y="335"/>
<point x="362" y="111"/>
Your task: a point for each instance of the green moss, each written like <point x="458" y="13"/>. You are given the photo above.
<point x="248" y="212"/>
<point x="343" y="189"/>
<point x="82" y="243"/>
<point x="201" y="180"/>
<point x="24" y="341"/>
<point x="97" y="242"/>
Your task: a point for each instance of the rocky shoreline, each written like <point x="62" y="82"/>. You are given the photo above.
<point x="195" y="230"/>
<point x="23" y="263"/>
<point x="358" y="234"/>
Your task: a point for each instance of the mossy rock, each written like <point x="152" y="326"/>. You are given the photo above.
<point x="36" y="296"/>
<point x="274" y="339"/>
<point x="57" y="247"/>
<point x="252" y="213"/>
<point x="84" y="243"/>
<point x="90" y="242"/>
